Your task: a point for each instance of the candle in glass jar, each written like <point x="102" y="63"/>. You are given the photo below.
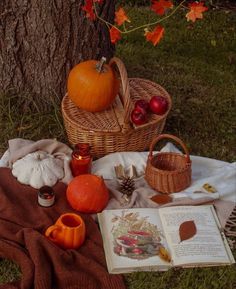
<point x="46" y="196"/>
<point x="81" y="162"/>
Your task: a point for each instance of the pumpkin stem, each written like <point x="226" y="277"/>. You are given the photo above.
<point x="100" y="64"/>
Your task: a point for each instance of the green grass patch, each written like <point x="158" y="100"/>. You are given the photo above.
<point x="9" y="271"/>
<point x="27" y="121"/>
<point x="197" y="278"/>
<point x="196" y="64"/>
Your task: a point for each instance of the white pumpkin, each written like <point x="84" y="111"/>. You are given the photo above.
<point x="38" y="169"/>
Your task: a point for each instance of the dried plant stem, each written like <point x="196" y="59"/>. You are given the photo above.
<point x="141" y="26"/>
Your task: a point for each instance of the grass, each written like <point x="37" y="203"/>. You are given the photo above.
<point x="9" y="271"/>
<point x="197" y="65"/>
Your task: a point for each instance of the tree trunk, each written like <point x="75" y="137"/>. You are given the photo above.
<point x="41" y="40"/>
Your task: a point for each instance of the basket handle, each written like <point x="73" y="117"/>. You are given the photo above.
<point x="125" y="96"/>
<point x="172" y="137"/>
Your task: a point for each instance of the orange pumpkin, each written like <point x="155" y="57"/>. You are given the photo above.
<point x="87" y="193"/>
<point x="92" y="85"/>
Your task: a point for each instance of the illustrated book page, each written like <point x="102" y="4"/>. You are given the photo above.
<point x="133" y="240"/>
<point x="194" y="236"/>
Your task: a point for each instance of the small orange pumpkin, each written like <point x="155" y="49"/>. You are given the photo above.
<point x="92" y="85"/>
<point x="87" y="193"/>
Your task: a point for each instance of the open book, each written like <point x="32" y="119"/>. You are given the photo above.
<point x="147" y="239"/>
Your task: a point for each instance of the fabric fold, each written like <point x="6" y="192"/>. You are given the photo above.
<point x="19" y="148"/>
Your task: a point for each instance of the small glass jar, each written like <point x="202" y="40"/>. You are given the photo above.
<point x="46" y="196"/>
<point x="81" y="162"/>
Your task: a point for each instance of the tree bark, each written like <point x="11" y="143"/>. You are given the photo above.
<point x="41" y="40"/>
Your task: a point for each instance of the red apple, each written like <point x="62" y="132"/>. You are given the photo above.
<point x="142" y="104"/>
<point x="138" y="117"/>
<point x="158" y="104"/>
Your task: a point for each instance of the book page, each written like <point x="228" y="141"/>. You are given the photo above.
<point x="133" y="240"/>
<point x="201" y="241"/>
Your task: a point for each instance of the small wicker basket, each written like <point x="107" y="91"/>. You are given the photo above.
<point x="168" y="172"/>
<point x="111" y="130"/>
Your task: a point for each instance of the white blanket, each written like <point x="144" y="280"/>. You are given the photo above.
<point x="219" y="174"/>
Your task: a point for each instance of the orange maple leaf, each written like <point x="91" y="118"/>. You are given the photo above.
<point x="196" y="10"/>
<point x="155" y="35"/>
<point x="160" y="6"/>
<point x="121" y="17"/>
<point x="115" y="34"/>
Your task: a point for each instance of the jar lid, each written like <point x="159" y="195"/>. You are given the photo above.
<point x="46" y="192"/>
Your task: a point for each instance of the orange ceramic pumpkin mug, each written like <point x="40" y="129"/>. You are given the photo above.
<point x="68" y="231"/>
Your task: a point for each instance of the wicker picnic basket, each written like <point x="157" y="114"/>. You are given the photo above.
<point x="168" y="172"/>
<point x="111" y="130"/>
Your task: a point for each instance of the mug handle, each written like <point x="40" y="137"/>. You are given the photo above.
<point x="49" y="231"/>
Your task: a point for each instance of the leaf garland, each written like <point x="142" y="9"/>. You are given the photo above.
<point x="196" y="10"/>
<point x="88" y="8"/>
<point x="155" y="35"/>
<point x="121" y="17"/>
<point x="114" y="34"/>
<point x="160" y="7"/>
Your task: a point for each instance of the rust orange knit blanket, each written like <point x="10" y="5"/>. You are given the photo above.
<point x="43" y="264"/>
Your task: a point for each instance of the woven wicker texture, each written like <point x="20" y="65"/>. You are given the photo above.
<point x="111" y="130"/>
<point x="168" y="172"/>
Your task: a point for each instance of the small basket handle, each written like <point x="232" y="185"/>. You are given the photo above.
<point x="125" y="87"/>
<point x="172" y="137"/>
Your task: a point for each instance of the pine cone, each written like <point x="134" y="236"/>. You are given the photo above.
<point x="127" y="186"/>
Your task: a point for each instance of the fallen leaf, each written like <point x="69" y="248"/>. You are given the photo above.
<point x="161" y="199"/>
<point x="164" y="254"/>
<point x="160" y="6"/>
<point x="155" y="35"/>
<point x="196" y="10"/>
<point x="187" y="230"/>
<point x="121" y="17"/>
<point x="115" y="34"/>
<point x="209" y="188"/>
